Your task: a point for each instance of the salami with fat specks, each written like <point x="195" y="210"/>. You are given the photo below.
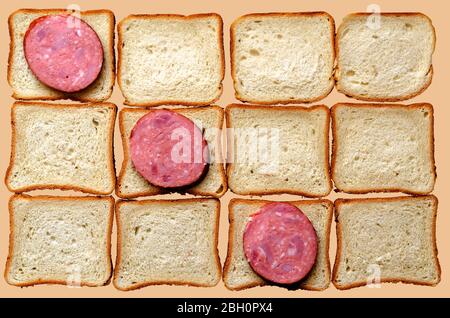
<point x="280" y="243"/>
<point x="63" y="52"/>
<point x="168" y="149"/>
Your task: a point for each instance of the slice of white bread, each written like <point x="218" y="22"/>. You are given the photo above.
<point x="167" y="242"/>
<point x="282" y="57"/>
<point x="386" y="240"/>
<point x="171" y="59"/>
<point x="238" y="274"/>
<point x="62" y="146"/>
<point x="130" y="184"/>
<point x="60" y="240"/>
<point x="23" y="82"/>
<point x="276" y="149"/>
<point x="383" y="148"/>
<point x="384" y="57"/>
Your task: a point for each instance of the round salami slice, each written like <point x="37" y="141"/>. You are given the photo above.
<point x="63" y="52"/>
<point x="168" y="149"/>
<point x="280" y="243"/>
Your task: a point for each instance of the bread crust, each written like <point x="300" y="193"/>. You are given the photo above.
<point x="171" y="16"/>
<point x="428" y="106"/>
<point x="230" y="249"/>
<point x="337" y="262"/>
<point x="278" y="14"/>
<point x="168" y="202"/>
<point x="384" y="99"/>
<point x="229" y="165"/>
<point x="126" y="158"/>
<point x="72" y="96"/>
<point x="112" y="169"/>
<point x="57" y="199"/>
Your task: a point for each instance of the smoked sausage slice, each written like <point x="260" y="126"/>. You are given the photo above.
<point x="63" y="52"/>
<point x="168" y="149"/>
<point x="280" y="243"/>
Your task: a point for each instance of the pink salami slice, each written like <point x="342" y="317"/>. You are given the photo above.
<point x="280" y="243"/>
<point x="168" y="149"/>
<point x="63" y="52"/>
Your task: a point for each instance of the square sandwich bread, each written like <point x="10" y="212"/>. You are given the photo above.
<point x="238" y="274"/>
<point x="171" y="59"/>
<point x="384" y="57"/>
<point x="167" y="242"/>
<point x="60" y="240"/>
<point x="278" y="150"/>
<point x="130" y="184"/>
<point x="62" y="146"/>
<point x="282" y="57"/>
<point x="383" y="148"/>
<point x="386" y="240"/>
<point x="26" y="86"/>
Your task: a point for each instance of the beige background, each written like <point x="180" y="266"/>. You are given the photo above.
<point x="437" y="94"/>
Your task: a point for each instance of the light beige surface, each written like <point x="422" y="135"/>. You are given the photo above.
<point x="436" y="94"/>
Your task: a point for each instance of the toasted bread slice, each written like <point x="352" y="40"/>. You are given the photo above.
<point x="167" y="242"/>
<point x="384" y="57"/>
<point x="23" y="82"/>
<point x="383" y="148"/>
<point x="278" y="150"/>
<point x="171" y="59"/>
<point x="386" y="240"/>
<point x="60" y="240"/>
<point x="130" y="184"/>
<point x="238" y="274"/>
<point x="62" y="146"/>
<point x="282" y="58"/>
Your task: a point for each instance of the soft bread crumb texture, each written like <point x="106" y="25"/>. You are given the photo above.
<point x="237" y="271"/>
<point x="383" y="148"/>
<point x="171" y="59"/>
<point x="167" y="242"/>
<point x="60" y="240"/>
<point x="210" y="120"/>
<point x="283" y="58"/>
<point x="26" y="86"/>
<point x="385" y="60"/>
<point x="386" y="240"/>
<point x="279" y="149"/>
<point x="62" y="146"/>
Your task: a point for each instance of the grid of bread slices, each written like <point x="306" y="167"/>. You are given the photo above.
<point x="277" y="58"/>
